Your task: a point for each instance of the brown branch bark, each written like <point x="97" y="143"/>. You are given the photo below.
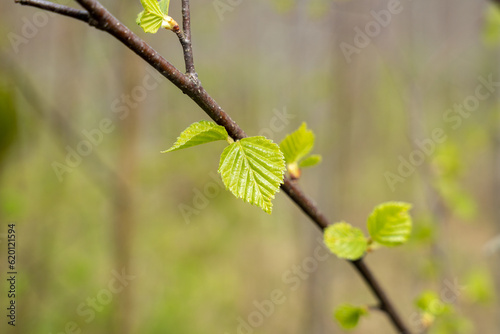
<point x="186" y="42"/>
<point x="100" y="18"/>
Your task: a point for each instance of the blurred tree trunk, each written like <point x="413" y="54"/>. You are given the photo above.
<point x="496" y="218"/>
<point x="317" y="317"/>
<point x="123" y="192"/>
<point x="417" y="131"/>
<point x="496" y="196"/>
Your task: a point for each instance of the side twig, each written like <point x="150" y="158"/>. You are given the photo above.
<point x="186" y="44"/>
<point x="102" y="19"/>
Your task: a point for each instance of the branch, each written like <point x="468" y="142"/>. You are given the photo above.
<point x="186" y="42"/>
<point x="305" y="203"/>
<point x="384" y="302"/>
<point x="187" y="50"/>
<point x="57" y="8"/>
<point x="186" y="19"/>
<point x="103" y="20"/>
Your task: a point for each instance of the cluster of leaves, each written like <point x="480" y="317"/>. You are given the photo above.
<point x="296" y="147"/>
<point x="447" y="163"/>
<point x="440" y="315"/>
<point x="155" y="16"/>
<point x="389" y="225"/>
<point x="252" y="168"/>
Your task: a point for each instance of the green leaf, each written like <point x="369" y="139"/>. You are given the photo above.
<point x="297" y="144"/>
<point x="430" y="303"/>
<point x="348" y="315"/>
<point x="164" y="4"/>
<point x="480" y="286"/>
<point x="345" y="241"/>
<point x="139" y="18"/>
<point x="152" y="18"/>
<point x="252" y="169"/>
<point x="310" y="161"/>
<point x="390" y="223"/>
<point x="152" y="6"/>
<point x="150" y="23"/>
<point x="199" y="133"/>
<point x="424" y="230"/>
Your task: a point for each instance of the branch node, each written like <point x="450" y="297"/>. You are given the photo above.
<point x="193" y="76"/>
<point x="94" y="23"/>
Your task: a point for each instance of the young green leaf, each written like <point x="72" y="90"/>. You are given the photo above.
<point x="310" y="161"/>
<point x="348" y="315"/>
<point x="430" y="303"/>
<point x="153" y="18"/>
<point x="199" y="133"/>
<point x="164" y="4"/>
<point x="390" y="223"/>
<point x="480" y="286"/>
<point x="345" y="241"/>
<point x="252" y="169"/>
<point x="297" y="145"/>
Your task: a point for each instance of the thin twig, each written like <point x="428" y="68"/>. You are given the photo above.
<point x="188" y="47"/>
<point x="188" y="52"/>
<point x="384" y="302"/>
<point x="103" y="20"/>
<point x="186" y="19"/>
<point x="186" y="27"/>
<point x="57" y="8"/>
<point x="305" y="203"/>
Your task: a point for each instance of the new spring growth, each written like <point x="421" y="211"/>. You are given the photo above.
<point x="155" y="16"/>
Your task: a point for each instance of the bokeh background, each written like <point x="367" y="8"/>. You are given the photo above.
<point x="194" y="259"/>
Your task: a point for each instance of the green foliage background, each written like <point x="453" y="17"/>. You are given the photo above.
<point x="200" y="275"/>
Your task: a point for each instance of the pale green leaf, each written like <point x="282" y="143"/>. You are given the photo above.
<point x="164" y="4"/>
<point x="345" y="241"/>
<point x="152" y="6"/>
<point x="139" y="18"/>
<point x="298" y="144"/>
<point x="390" y="223"/>
<point x="150" y="23"/>
<point x="152" y="18"/>
<point x="310" y="161"/>
<point x="424" y="230"/>
<point x="430" y="303"/>
<point x="252" y="169"/>
<point x="199" y="133"/>
<point x="480" y="286"/>
<point x="348" y="315"/>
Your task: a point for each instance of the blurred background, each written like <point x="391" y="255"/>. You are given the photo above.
<point x="115" y="237"/>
